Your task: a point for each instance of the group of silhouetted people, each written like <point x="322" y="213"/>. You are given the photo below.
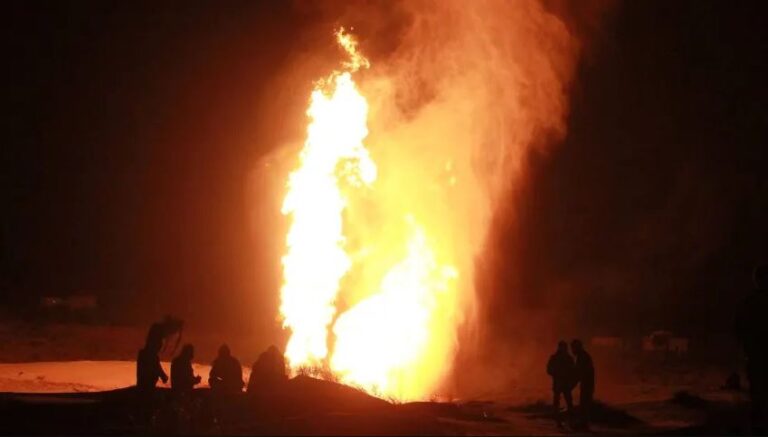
<point x="568" y="371"/>
<point x="226" y="373"/>
<point x="225" y="378"/>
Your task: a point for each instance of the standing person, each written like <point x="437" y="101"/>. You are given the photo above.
<point x="561" y="368"/>
<point x="148" y="368"/>
<point x="585" y="376"/>
<point x="148" y="371"/>
<point x="226" y="373"/>
<point x="752" y="330"/>
<point x="183" y="378"/>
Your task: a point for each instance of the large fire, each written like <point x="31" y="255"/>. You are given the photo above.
<point x="403" y="167"/>
<point x="388" y="339"/>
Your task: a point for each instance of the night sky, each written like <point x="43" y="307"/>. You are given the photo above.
<point x="131" y="131"/>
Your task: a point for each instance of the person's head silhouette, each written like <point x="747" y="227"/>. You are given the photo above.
<point x="224" y="351"/>
<point x="187" y="352"/>
<point x="576" y="346"/>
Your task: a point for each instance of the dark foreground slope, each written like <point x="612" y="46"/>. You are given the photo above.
<point x="307" y="406"/>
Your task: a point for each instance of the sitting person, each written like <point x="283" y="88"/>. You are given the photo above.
<point x="226" y="373"/>
<point x="183" y="378"/>
<point x="268" y="372"/>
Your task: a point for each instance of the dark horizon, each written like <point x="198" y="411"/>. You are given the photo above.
<point x="133" y="131"/>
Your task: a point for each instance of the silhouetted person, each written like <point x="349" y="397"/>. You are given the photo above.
<point x="184" y="408"/>
<point x="226" y="373"/>
<point x="183" y="378"/>
<point x="268" y="371"/>
<point x="585" y="377"/>
<point x="561" y="368"/>
<point x="148" y="368"/>
<point x="752" y="329"/>
<point x="148" y="371"/>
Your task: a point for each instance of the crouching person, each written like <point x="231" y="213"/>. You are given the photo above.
<point x="183" y="378"/>
<point x="183" y="381"/>
<point x="226" y="381"/>
<point x="268" y="373"/>
<point x="226" y="375"/>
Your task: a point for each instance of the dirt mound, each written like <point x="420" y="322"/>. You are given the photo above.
<point x="310" y="394"/>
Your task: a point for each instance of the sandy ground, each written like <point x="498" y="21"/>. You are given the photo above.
<point x="79" y="376"/>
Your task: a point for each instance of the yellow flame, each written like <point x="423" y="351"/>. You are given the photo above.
<point x="316" y="260"/>
<point x="380" y="340"/>
<point x="349" y="44"/>
<point x="395" y="335"/>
